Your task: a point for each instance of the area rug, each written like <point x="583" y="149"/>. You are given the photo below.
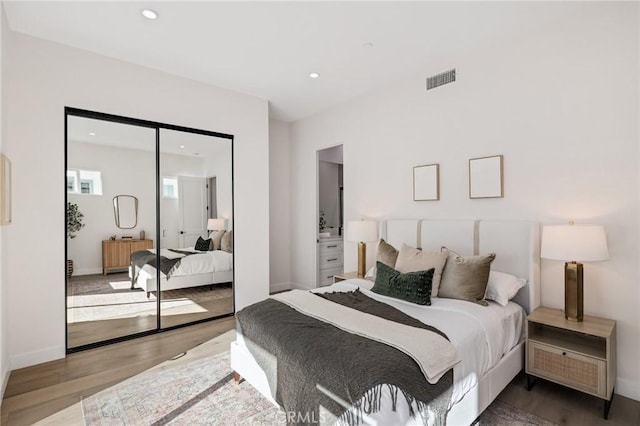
<point x="202" y="392"/>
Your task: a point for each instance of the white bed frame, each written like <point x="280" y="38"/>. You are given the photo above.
<point x="517" y="248"/>
<point x="181" y="281"/>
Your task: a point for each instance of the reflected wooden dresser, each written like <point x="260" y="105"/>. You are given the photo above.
<point x="116" y="254"/>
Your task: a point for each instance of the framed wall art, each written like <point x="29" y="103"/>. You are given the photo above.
<point x="426" y="182"/>
<point x="486" y="177"/>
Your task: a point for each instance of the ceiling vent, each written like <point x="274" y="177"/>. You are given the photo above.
<point x="441" y="79"/>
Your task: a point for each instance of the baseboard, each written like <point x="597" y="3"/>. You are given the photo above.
<point x="86" y="271"/>
<point x="628" y="388"/>
<point x="37" y="357"/>
<point x="277" y="287"/>
<point x="5" y="379"/>
<point x="301" y="286"/>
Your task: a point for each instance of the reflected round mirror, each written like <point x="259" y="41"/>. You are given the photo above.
<point x="125" y="210"/>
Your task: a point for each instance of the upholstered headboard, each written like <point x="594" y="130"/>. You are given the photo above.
<point x="516" y="244"/>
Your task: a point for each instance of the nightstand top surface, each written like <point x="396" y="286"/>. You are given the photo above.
<point x="594" y="326"/>
<point x="352" y="274"/>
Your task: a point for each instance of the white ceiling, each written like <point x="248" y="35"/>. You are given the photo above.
<point x="268" y="49"/>
<point x="100" y="132"/>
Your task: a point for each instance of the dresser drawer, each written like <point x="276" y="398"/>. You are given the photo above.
<point x="333" y="260"/>
<point x="326" y="275"/>
<point x="571" y="369"/>
<point x="330" y="247"/>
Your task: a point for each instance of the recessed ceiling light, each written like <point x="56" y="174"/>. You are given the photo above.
<point x="91" y="134"/>
<point x="314" y="75"/>
<point x="182" y="146"/>
<point x="149" y="14"/>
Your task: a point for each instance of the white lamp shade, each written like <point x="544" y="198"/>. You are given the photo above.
<point x="215" y="224"/>
<point x="362" y="230"/>
<point x="580" y="243"/>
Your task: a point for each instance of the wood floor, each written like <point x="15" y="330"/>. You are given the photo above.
<point x="35" y="393"/>
<point x="50" y="393"/>
<point x="202" y="305"/>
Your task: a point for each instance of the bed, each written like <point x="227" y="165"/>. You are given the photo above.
<point x="180" y="268"/>
<point x="490" y="355"/>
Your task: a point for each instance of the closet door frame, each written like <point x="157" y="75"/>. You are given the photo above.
<point x="78" y="112"/>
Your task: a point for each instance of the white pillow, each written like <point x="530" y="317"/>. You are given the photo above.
<point x="503" y="287"/>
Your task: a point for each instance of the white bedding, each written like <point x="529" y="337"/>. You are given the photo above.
<point x="481" y="334"/>
<point x="199" y="263"/>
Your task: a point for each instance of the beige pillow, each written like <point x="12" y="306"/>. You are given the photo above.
<point x="226" y="244"/>
<point x="411" y="259"/>
<point x="216" y="238"/>
<point x="466" y="277"/>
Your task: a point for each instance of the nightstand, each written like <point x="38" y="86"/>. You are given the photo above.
<point x="579" y="355"/>
<point x="348" y="275"/>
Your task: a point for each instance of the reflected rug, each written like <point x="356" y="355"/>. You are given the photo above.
<point x="202" y="392"/>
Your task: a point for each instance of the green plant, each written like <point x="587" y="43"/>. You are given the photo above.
<point x="323" y="222"/>
<point x="74" y="220"/>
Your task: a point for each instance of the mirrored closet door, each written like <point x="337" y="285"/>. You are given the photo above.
<point x="196" y="227"/>
<point x="149" y="222"/>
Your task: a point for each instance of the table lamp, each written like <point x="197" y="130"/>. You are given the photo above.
<point x="361" y="231"/>
<point x="574" y="244"/>
<point x="215" y="224"/>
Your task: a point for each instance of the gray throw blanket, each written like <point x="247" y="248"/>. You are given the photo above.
<point x="314" y="357"/>
<point x="146" y="257"/>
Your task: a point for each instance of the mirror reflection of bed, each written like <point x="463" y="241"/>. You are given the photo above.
<point x="113" y="291"/>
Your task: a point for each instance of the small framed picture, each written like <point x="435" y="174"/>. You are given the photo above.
<point x="486" y="177"/>
<point x="426" y="182"/>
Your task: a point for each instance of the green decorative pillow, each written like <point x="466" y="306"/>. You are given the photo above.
<point x="202" y="244"/>
<point x="466" y="277"/>
<point x="411" y="259"/>
<point x="414" y="287"/>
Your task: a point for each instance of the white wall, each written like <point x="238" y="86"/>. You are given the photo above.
<point x="174" y="166"/>
<point x="332" y="155"/>
<point x="4" y="335"/>
<point x="124" y="172"/>
<point x="44" y="77"/>
<point x="279" y="205"/>
<point x="561" y="105"/>
<point x="219" y="165"/>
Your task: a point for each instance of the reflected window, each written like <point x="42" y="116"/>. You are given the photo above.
<point x="84" y="182"/>
<point x="170" y="187"/>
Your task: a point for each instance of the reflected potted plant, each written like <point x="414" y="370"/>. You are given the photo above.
<point x="74" y="225"/>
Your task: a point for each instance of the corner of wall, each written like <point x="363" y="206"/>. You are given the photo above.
<point x="37" y="357"/>
<point x="6" y="372"/>
<point x="628" y="388"/>
<point x="278" y="287"/>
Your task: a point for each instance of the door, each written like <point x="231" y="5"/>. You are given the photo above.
<point x="192" y="208"/>
<point x="330" y="208"/>
<point x="166" y="168"/>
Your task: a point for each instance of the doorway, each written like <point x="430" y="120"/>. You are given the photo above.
<point x="330" y="210"/>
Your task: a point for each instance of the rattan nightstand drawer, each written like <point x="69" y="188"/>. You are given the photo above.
<point x="571" y="369"/>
